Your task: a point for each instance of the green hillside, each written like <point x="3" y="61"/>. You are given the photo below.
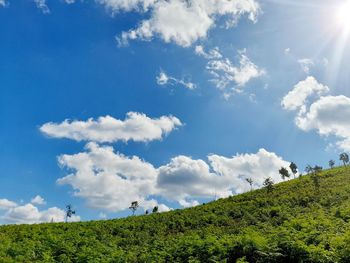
<point x="297" y="221"/>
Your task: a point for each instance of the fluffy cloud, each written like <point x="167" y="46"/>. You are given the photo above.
<point x="30" y="214"/>
<point x="257" y="166"/>
<point x="6" y="204"/>
<point x="328" y="115"/>
<point x="164" y="79"/>
<point x="2" y="3"/>
<point x="41" y="4"/>
<point x="136" y="127"/>
<point x="227" y="76"/>
<point x="110" y="181"/>
<point x="184" y="179"/>
<point x="38" y="200"/>
<point x="296" y="99"/>
<point x="181" y="21"/>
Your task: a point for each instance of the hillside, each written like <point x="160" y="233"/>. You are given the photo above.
<point x="296" y="222"/>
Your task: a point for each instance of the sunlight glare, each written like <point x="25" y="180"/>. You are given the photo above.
<point x="343" y="15"/>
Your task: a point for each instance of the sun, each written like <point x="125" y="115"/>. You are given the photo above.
<point x="343" y="15"/>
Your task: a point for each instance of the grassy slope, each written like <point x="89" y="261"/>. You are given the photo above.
<point x="294" y="223"/>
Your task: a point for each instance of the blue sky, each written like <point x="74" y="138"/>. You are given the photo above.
<point x="71" y="61"/>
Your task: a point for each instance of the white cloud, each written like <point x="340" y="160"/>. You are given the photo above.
<point x="184" y="179"/>
<point x="226" y="76"/>
<point x="30" y="214"/>
<point x="136" y="127"/>
<point x="257" y="166"/>
<point x="110" y="181"/>
<point x="127" y="5"/>
<point x="41" y="4"/>
<point x="6" y="204"/>
<point x="164" y="79"/>
<point x="212" y="54"/>
<point x="38" y="200"/>
<point x="2" y="3"/>
<point x="306" y="64"/>
<point x="328" y="115"/>
<point x="296" y="99"/>
<point x="70" y="1"/>
<point x="182" y="21"/>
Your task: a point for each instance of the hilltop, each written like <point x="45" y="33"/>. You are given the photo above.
<point x="302" y="220"/>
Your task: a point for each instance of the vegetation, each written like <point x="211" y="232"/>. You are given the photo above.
<point x="302" y="220"/>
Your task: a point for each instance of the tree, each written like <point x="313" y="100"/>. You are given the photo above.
<point x="317" y="169"/>
<point x="155" y="209"/>
<point x="69" y="212"/>
<point x="134" y="206"/>
<point x="331" y="163"/>
<point x="309" y="169"/>
<point x="344" y="157"/>
<point x="294" y="168"/>
<point x="250" y="182"/>
<point x="284" y="173"/>
<point x="268" y="184"/>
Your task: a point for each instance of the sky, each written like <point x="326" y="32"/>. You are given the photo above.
<point x="168" y="103"/>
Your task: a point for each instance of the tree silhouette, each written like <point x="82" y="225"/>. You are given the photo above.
<point x="268" y="184"/>
<point x="331" y="163"/>
<point x="284" y="173"/>
<point x="344" y="157"/>
<point x="250" y="182"/>
<point x="155" y="209"/>
<point x="134" y="206"/>
<point x="309" y="169"/>
<point x="294" y="168"/>
<point x="69" y="212"/>
<point x="317" y="169"/>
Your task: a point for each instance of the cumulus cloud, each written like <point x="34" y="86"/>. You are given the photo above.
<point x="297" y="98"/>
<point x="136" y="127"/>
<point x="328" y="115"/>
<point x="164" y="79"/>
<point x="30" y="214"/>
<point x="184" y="179"/>
<point x="38" y="200"/>
<point x="227" y="76"/>
<point x="257" y="166"/>
<point x="181" y="21"/>
<point x="41" y="4"/>
<point x="110" y="181"/>
<point x="6" y="204"/>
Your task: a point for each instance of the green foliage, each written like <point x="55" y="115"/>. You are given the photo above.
<point x="293" y="223"/>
